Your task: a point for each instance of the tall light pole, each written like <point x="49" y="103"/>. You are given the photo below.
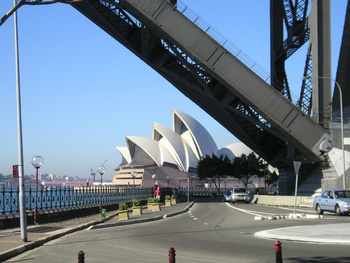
<point x="179" y="179"/>
<point x="133" y="174"/>
<point x="22" y="205"/>
<point x="37" y="162"/>
<point x="341" y="122"/>
<point x="154" y="177"/>
<point x="101" y="170"/>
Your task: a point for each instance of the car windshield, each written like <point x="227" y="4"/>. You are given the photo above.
<point x="342" y="194"/>
<point x="240" y="190"/>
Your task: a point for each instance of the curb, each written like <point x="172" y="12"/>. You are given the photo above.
<point x="287" y="216"/>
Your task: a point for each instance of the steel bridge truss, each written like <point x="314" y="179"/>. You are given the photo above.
<point x="194" y="79"/>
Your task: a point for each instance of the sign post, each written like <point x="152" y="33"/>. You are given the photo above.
<point x="296" y="170"/>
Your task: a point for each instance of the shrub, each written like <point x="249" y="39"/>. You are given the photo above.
<point x="150" y="200"/>
<point x="122" y="207"/>
<point x="167" y="197"/>
<point x="173" y="197"/>
<point x="155" y="200"/>
<point x="135" y="202"/>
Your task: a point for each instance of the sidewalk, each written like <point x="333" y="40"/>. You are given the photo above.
<point x="11" y="244"/>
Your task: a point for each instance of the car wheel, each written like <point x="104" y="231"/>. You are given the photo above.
<point x="319" y="210"/>
<point x="232" y="202"/>
<point x="337" y="210"/>
<point x="247" y="202"/>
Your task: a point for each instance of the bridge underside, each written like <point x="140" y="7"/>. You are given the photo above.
<point x="212" y="77"/>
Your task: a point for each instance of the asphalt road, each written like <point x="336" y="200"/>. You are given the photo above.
<point x="209" y="232"/>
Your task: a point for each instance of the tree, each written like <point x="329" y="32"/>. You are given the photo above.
<point x="244" y="167"/>
<point x="271" y="178"/>
<point x="214" y="168"/>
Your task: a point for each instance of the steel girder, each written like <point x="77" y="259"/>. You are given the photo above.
<point x="298" y="33"/>
<point x="193" y="79"/>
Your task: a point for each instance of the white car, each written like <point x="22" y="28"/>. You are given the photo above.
<point x="227" y="196"/>
<point x="336" y="201"/>
<point x="240" y="194"/>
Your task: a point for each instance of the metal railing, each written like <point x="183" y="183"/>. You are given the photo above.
<point x="56" y="198"/>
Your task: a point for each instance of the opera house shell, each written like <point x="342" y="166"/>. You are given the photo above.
<point x="170" y="156"/>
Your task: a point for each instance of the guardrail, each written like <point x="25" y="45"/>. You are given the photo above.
<point x="57" y="198"/>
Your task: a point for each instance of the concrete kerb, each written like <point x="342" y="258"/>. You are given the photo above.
<point x="25" y="247"/>
<point x="287" y="216"/>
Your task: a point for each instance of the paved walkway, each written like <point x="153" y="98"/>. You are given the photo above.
<point x="11" y="244"/>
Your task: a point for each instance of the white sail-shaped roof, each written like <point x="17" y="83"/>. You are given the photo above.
<point x="157" y="152"/>
<point x="124" y="151"/>
<point x="175" y="144"/>
<point x="234" y="149"/>
<point x="196" y="136"/>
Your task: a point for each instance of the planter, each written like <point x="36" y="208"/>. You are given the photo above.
<point x="173" y="201"/>
<point x="155" y="207"/>
<point x="123" y="215"/>
<point x="167" y="202"/>
<point x="137" y="210"/>
<point x="149" y="206"/>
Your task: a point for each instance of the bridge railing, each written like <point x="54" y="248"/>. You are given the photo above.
<point x="56" y="198"/>
<point x="223" y="41"/>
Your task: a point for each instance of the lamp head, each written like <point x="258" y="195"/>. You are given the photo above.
<point x="101" y="170"/>
<point x="37" y="161"/>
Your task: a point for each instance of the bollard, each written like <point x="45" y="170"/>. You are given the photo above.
<point x="171" y="255"/>
<point x="81" y="257"/>
<point x="278" y="252"/>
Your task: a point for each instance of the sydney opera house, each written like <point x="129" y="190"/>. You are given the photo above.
<point x="169" y="158"/>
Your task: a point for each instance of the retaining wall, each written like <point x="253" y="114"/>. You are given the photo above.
<point x="280" y="200"/>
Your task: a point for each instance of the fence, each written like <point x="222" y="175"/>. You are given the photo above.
<point x="56" y="198"/>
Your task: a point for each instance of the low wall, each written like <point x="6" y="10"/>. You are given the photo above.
<point x="280" y="200"/>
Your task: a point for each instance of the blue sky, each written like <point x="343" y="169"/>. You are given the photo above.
<point x="83" y="92"/>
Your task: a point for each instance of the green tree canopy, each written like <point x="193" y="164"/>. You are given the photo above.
<point x="244" y="167"/>
<point x="214" y="168"/>
<point x="271" y="178"/>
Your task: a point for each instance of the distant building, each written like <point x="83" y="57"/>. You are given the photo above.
<point x="171" y="155"/>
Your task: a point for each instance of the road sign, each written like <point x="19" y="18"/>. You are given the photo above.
<point x="15" y="171"/>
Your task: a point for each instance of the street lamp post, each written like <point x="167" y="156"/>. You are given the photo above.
<point x="168" y="179"/>
<point x="101" y="171"/>
<point x="341" y="122"/>
<point x="22" y="205"/>
<point x="154" y="177"/>
<point x="37" y="162"/>
<point x="179" y="179"/>
<point x="133" y="174"/>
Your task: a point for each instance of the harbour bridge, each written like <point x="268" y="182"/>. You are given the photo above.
<point x="255" y="107"/>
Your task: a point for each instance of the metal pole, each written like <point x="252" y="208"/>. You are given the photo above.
<point x="22" y="206"/>
<point x="36" y="196"/>
<point x="278" y="252"/>
<point x="134" y="187"/>
<point x="188" y="189"/>
<point x="172" y="255"/>
<point x="342" y="130"/>
<point x="101" y="195"/>
<point x="296" y="169"/>
<point x="81" y="257"/>
<point x="341" y="125"/>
